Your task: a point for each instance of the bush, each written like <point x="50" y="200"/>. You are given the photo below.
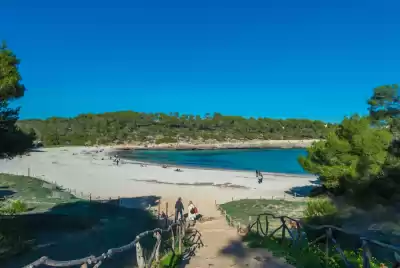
<point x="319" y="207"/>
<point x="308" y="256"/>
<point x="15" y="207"/>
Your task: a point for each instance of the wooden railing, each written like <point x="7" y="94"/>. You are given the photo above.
<point x="175" y="233"/>
<point x="296" y="230"/>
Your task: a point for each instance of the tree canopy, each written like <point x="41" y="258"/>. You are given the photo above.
<point x="130" y="126"/>
<point x="350" y="156"/>
<point x="10" y="78"/>
<point x="363" y="153"/>
<point x="12" y="139"/>
<point x="384" y="107"/>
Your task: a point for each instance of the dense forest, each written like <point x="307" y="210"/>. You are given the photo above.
<point x="129" y="126"/>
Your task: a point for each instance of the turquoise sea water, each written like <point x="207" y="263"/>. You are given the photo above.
<point x="267" y="160"/>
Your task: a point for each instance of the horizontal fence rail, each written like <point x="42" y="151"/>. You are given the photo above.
<point x="296" y="230"/>
<point x="177" y="232"/>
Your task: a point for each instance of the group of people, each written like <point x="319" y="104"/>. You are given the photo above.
<point x="192" y="214"/>
<point x="259" y="176"/>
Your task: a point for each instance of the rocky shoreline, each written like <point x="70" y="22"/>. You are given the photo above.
<point x="254" y="144"/>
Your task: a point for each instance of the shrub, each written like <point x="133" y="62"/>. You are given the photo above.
<point x="15" y="207"/>
<point x="308" y="256"/>
<point x="319" y="207"/>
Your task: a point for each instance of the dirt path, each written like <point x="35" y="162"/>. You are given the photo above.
<point x="223" y="248"/>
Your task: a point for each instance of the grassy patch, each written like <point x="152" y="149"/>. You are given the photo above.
<point x="318" y="211"/>
<point x="302" y="255"/>
<point x="64" y="227"/>
<point x="240" y="210"/>
<point x="37" y="194"/>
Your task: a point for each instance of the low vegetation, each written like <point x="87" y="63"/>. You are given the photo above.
<point x="241" y="210"/>
<point x="313" y="211"/>
<point x="308" y="256"/>
<point x="319" y="207"/>
<point x="35" y="213"/>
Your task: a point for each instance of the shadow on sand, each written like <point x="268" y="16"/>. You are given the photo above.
<point x="81" y="228"/>
<point x="304" y="191"/>
<point x="5" y="192"/>
<point x="244" y="256"/>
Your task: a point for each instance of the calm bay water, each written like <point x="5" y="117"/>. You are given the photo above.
<point x="267" y="160"/>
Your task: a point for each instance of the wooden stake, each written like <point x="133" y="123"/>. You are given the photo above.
<point x="173" y="238"/>
<point x="166" y="211"/>
<point x="157" y="257"/>
<point x="139" y="256"/>
<point x="180" y="239"/>
<point x="159" y="209"/>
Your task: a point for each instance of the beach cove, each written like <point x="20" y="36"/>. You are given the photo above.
<point x="90" y="171"/>
<point x="266" y="160"/>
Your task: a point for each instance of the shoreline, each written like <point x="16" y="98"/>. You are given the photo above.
<point x="121" y="153"/>
<point x="90" y="171"/>
<point x="251" y="144"/>
<point x="160" y="164"/>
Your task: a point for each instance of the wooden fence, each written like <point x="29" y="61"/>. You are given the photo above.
<point x="294" y="230"/>
<point x="174" y="234"/>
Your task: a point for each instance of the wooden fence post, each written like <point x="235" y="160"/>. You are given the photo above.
<point x="157" y="251"/>
<point x="249" y="224"/>
<point x="29" y="171"/>
<point x="365" y="255"/>
<point x="159" y="209"/>
<point x="179" y="239"/>
<point x="90" y="197"/>
<point x="173" y="239"/>
<point x="328" y="237"/>
<point x="139" y="256"/>
<point x="166" y="212"/>
<point x="283" y="228"/>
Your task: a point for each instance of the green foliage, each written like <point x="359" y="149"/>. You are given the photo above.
<point x="384" y="107"/>
<point x="166" y="140"/>
<point x="351" y="157"/>
<point x="12" y="139"/>
<point x="303" y="255"/>
<point x="171" y="260"/>
<point x="319" y="207"/>
<point x="241" y="210"/>
<point x="10" y="78"/>
<point x="130" y="126"/>
<point x="14" y="207"/>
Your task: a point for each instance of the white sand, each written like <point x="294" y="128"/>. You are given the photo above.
<point x="83" y="170"/>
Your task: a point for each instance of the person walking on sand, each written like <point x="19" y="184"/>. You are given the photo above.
<point x="178" y="209"/>
<point x="260" y="178"/>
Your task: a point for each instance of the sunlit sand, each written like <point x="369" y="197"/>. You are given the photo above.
<point x="89" y="171"/>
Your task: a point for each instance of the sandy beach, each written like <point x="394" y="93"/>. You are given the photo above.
<point x="89" y="171"/>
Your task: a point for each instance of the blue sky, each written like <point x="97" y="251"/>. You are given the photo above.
<point x="281" y="59"/>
